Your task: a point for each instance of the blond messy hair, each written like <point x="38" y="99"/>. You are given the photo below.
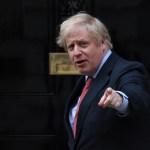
<point x="94" y="27"/>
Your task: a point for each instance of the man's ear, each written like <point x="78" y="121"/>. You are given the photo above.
<point x="104" y="43"/>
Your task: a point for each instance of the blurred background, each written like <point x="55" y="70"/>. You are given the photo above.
<point x="32" y="101"/>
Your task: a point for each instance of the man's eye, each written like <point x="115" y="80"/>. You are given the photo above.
<point x="70" y="47"/>
<point x="84" y="43"/>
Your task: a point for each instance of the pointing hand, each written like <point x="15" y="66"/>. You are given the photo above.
<point x="110" y="99"/>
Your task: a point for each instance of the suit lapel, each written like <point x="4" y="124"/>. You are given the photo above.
<point x="97" y="85"/>
<point x="72" y="99"/>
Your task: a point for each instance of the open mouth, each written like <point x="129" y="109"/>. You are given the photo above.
<point x="80" y="62"/>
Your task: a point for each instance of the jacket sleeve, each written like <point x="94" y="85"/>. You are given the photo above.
<point x="133" y="81"/>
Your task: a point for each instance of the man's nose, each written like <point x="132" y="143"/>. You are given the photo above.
<point x="77" y="50"/>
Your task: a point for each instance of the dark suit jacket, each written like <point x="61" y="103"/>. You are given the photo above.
<point x="105" y="129"/>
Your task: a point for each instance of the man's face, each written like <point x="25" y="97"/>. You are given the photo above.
<point x="85" y="54"/>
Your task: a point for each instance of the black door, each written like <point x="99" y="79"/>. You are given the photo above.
<point x="32" y="101"/>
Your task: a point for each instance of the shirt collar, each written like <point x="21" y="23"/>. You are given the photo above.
<point x="101" y="64"/>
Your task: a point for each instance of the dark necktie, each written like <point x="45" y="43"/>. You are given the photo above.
<point x="84" y="91"/>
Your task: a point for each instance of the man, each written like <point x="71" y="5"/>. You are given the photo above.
<point x="114" y="113"/>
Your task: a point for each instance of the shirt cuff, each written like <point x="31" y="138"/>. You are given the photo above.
<point x="123" y="109"/>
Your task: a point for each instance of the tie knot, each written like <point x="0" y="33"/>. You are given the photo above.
<point x="89" y="81"/>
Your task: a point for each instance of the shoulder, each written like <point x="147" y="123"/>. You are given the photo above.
<point x="122" y="63"/>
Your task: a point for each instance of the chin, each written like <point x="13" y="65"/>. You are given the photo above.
<point x="84" y="72"/>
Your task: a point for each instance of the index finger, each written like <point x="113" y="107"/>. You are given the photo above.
<point x="107" y="92"/>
